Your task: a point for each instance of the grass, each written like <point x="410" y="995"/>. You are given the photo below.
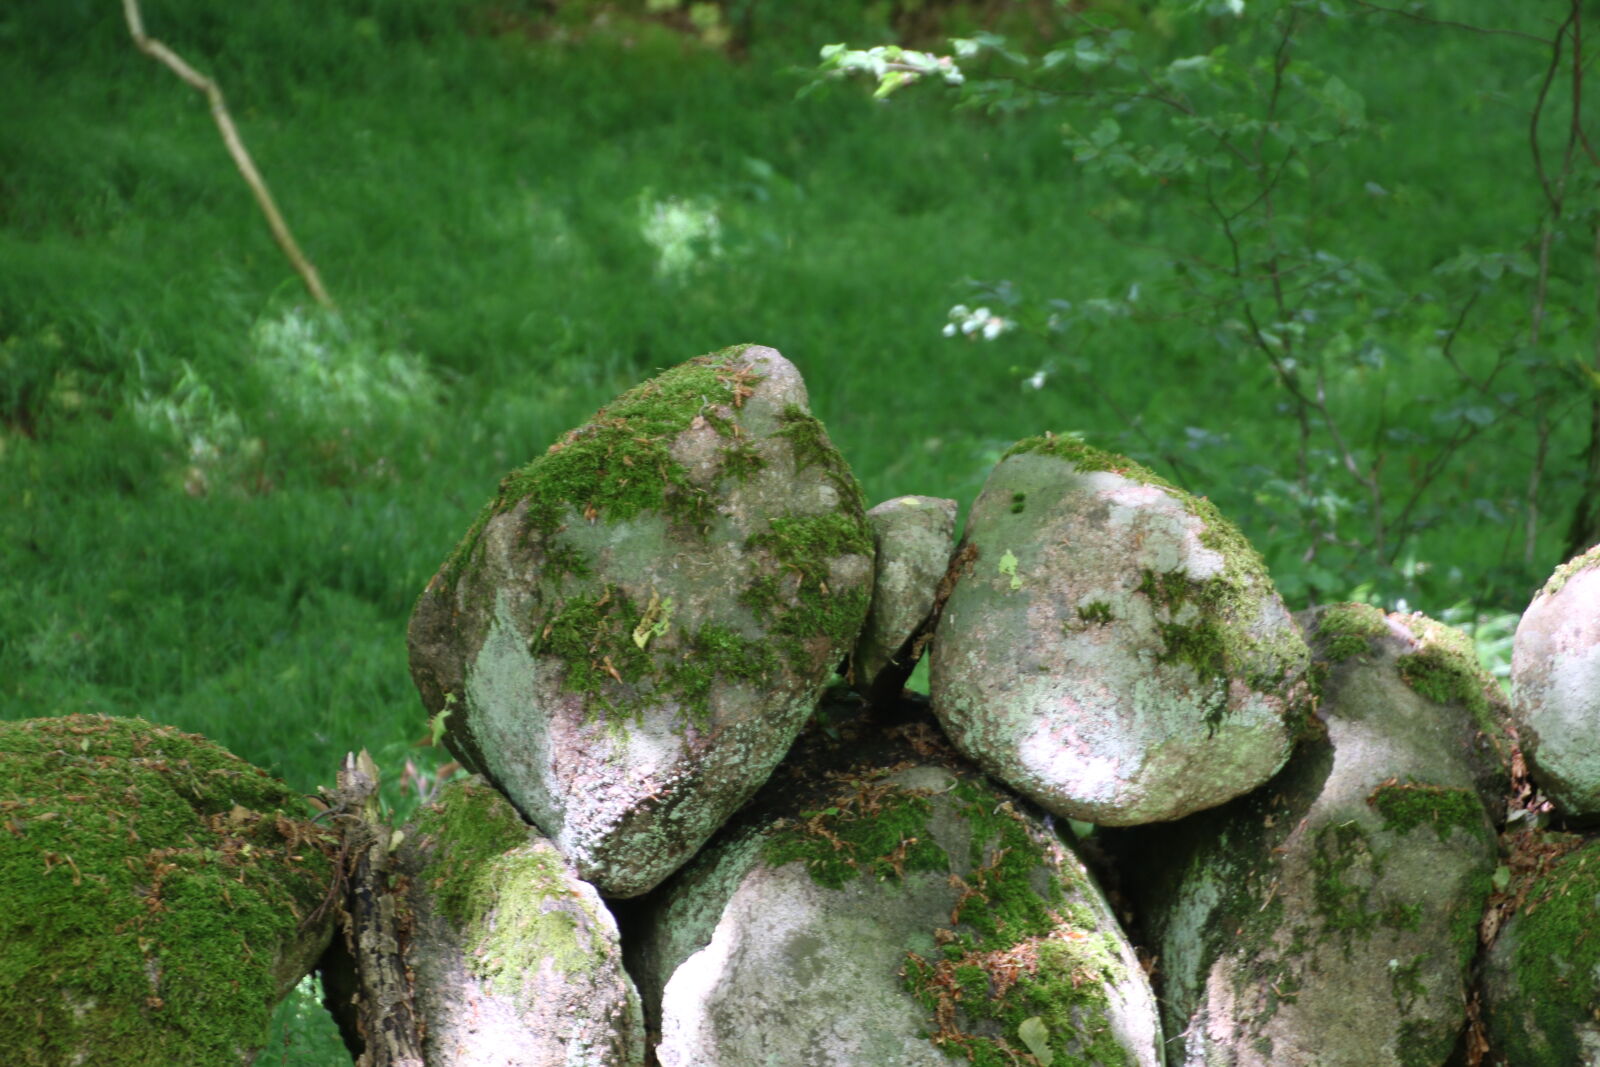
<point x="217" y="505"/>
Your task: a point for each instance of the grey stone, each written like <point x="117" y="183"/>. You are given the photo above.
<point x="1541" y="978"/>
<point x="634" y="630"/>
<point x="1332" y="917"/>
<point x="1114" y="649"/>
<point x="914" y="537"/>
<point x="514" y="960"/>
<point x="896" y="910"/>
<point x="1555" y="677"/>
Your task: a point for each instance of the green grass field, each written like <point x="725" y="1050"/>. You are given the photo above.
<point x="218" y="503"/>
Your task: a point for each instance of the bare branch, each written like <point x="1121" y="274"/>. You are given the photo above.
<point x="1490" y="30"/>
<point x="230" y="137"/>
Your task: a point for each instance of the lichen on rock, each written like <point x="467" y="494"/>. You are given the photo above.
<point x="162" y="895"/>
<point x="628" y="639"/>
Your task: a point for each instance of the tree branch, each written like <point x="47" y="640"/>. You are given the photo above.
<point x="230" y="137"/>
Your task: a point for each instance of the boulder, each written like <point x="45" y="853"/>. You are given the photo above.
<point x="514" y="961"/>
<point x="1555" y="677"/>
<point x="881" y="903"/>
<point x="161" y="895"/>
<point x="1113" y="648"/>
<point x="913" y="537"/>
<point x="1541" y="978"/>
<point x="629" y="637"/>
<point x="1332" y="917"/>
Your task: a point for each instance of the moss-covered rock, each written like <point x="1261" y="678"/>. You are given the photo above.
<point x="161" y="895"/>
<point x="1541" y="980"/>
<point x="1114" y="650"/>
<point x="514" y="960"/>
<point x="881" y="903"/>
<point x="913" y="537"/>
<point x="1332" y="916"/>
<point x="629" y="637"/>
<point x="1555" y="678"/>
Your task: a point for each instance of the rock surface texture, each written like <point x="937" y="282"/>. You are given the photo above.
<point x="897" y="912"/>
<point x="1541" y="981"/>
<point x="631" y="635"/>
<point x="514" y="961"/>
<point x="913" y="536"/>
<point x="161" y="895"/>
<point x="1113" y="649"/>
<point x="1332" y="917"/>
<point x="1555" y="675"/>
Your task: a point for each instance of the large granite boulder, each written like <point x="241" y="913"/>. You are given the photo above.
<point x="161" y="895"/>
<point x="634" y="630"/>
<point x="1541" y="978"/>
<point x="1114" y="649"/>
<point x="513" y="960"/>
<point x="1332" y="917"/>
<point x="883" y="904"/>
<point x="1555" y="677"/>
<point x="913" y="537"/>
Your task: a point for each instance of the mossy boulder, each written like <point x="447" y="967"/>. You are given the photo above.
<point x="1541" y="979"/>
<point x="1113" y="649"/>
<point x="1332" y="916"/>
<point x="882" y="903"/>
<point x="161" y="895"/>
<point x="913" y="537"/>
<point x="514" y="960"/>
<point x="1555" y="677"/>
<point x="632" y="633"/>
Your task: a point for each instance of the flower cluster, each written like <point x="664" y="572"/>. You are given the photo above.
<point x="976" y="322"/>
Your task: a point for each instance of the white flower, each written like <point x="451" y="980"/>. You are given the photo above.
<point x="1035" y="380"/>
<point x="949" y="329"/>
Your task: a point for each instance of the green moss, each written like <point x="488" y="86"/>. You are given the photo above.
<point x="1342" y="900"/>
<point x="1563" y="574"/>
<point x="797" y="602"/>
<point x="1421" y="1043"/>
<point x="879" y="834"/>
<point x="151" y="879"/>
<point x="740" y="461"/>
<point x="1019" y="503"/>
<point x="1096" y="612"/>
<point x="1347" y="630"/>
<point x="491" y="881"/>
<point x="1405" y="807"/>
<point x="561" y="560"/>
<point x="1446" y="670"/>
<point x="813" y="448"/>
<point x="1087" y="458"/>
<point x="594" y="637"/>
<point x="1556" y="959"/>
<point x="619" y="464"/>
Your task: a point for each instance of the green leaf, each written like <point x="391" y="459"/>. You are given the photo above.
<point x="1036" y="1035"/>
<point x="438" y="720"/>
<point x="1501" y="878"/>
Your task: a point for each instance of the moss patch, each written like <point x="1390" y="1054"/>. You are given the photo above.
<point x="797" y="601"/>
<point x="151" y="878"/>
<point x="812" y="448"/>
<point x="1556" y="959"/>
<point x="494" y="885"/>
<point x="877" y="831"/>
<point x="1087" y="458"/>
<point x="619" y="464"/>
<point x="596" y="638"/>
<point x="1446" y="670"/>
<point x="1404" y="807"/>
<point x="1346" y="630"/>
<point x="1563" y="574"/>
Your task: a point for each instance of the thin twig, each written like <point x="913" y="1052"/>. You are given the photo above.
<point x="230" y="137"/>
<point x="1490" y="30"/>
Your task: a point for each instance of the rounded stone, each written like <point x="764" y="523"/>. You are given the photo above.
<point x="1332" y="916"/>
<point x="894" y="910"/>
<point x="632" y="633"/>
<point x="1555" y="679"/>
<point x="161" y="895"/>
<point x="913" y="537"/>
<point x="513" y="960"/>
<point x="1113" y="648"/>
